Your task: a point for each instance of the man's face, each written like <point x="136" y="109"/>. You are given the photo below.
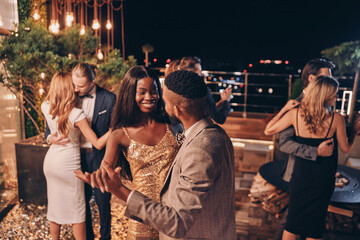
<point x="169" y="106"/>
<point x="82" y="85"/>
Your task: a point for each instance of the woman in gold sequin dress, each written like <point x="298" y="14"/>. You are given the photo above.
<point x="141" y="131"/>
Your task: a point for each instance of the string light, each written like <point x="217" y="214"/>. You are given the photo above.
<point x="96" y="24"/>
<point x="82" y="30"/>
<point x="108" y="24"/>
<point x="36" y="15"/>
<point x="69" y="18"/>
<point x="100" y="55"/>
<point x="54" y="26"/>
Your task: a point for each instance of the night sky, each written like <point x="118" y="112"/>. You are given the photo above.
<point x="236" y="33"/>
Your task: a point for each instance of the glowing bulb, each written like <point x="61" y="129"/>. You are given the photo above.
<point x="100" y="55"/>
<point x="96" y="24"/>
<point x="36" y="16"/>
<point x="1" y="22"/>
<point x="108" y="25"/>
<point x="54" y="27"/>
<point x="82" y="30"/>
<point x="42" y="75"/>
<point x="69" y="19"/>
<point x="41" y="91"/>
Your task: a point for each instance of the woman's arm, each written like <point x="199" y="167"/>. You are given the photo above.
<point x="341" y="133"/>
<point x="113" y="147"/>
<point x="283" y="119"/>
<point x="89" y="134"/>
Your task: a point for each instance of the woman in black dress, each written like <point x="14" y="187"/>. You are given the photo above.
<point x="312" y="182"/>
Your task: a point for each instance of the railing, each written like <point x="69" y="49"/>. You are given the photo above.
<point x="267" y="92"/>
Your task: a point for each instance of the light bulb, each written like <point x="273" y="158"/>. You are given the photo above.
<point x="42" y="75"/>
<point x="54" y="27"/>
<point x="100" y="55"/>
<point x="108" y="25"/>
<point x="82" y="30"/>
<point x="96" y="24"/>
<point x="36" y="16"/>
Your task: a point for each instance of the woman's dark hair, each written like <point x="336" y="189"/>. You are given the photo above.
<point x="126" y="111"/>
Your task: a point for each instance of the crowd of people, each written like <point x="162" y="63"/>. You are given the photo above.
<point x="162" y="137"/>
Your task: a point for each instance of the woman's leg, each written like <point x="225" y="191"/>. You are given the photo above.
<point x="288" y="236"/>
<point x="55" y="230"/>
<point x="313" y="238"/>
<point x="79" y="231"/>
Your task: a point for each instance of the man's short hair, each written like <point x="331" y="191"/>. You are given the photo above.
<point x="187" y="90"/>
<point x="313" y="67"/>
<point x="187" y="84"/>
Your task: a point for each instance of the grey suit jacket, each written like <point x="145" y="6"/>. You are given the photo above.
<point x="197" y="199"/>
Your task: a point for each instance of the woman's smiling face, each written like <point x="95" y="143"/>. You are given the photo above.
<point x="147" y="95"/>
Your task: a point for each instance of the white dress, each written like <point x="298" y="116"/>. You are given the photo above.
<point x="65" y="192"/>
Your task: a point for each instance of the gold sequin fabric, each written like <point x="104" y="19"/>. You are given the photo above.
<point x="149" y="167"/>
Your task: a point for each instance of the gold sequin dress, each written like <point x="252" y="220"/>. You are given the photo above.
<point x="149" y="167"/>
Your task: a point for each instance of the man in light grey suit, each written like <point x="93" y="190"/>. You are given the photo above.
<point x="197" y="199"/>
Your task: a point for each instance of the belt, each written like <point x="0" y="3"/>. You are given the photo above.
<point x="86" y="150"/>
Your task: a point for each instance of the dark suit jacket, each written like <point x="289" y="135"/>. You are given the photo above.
<point x="197" y="199"/>
<point x="104" y="105"/>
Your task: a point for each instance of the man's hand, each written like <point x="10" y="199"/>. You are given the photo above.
<point x="357" y="126"/>
<point x="226" y="94"/>
<point x="326" y="148"/>
<point x="56" y="138"/>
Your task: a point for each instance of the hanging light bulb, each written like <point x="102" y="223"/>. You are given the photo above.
<point x="69" y="18"/>
<point x="100" y="54"/>
<point x="42" y="75"/>
<point x="108" y="24"/>
<point x="36" y="15"/>
<point x="96" y="24"/>
<point x="82" y="30"/>
<point x="54" y="26"/>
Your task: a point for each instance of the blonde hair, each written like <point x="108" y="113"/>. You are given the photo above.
<point x="314" y="104"/>
<point x="62" y="100"/>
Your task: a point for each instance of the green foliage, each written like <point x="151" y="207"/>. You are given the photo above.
<point x="81" y="46"/>
<point x="111" y="72"/>
<point x="25" y="7"/>
<point x="32" y="55"/>
<point x="297" y="88"/>
<point x="346" y="56"/>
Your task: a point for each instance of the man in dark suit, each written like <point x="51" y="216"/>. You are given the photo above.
<point x="287" y="143"/>
<point x="197" y="199"/>
<point x="98" y="105"/>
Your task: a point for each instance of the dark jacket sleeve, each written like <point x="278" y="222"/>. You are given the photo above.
<point x="219" y="115"/>
<point x="288" y="145"/>
<point x="47" y="130"/>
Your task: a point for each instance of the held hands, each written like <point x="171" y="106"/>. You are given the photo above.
<point x="226" y="94"/>
<point x="105" y="178"/>
<point x="326" y="148"/>
<point x="56" y="138"/>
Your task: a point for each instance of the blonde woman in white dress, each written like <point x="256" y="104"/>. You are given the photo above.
<point x="65" y="192"/>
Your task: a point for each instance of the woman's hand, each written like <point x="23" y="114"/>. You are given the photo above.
<point x="292" y="103"/>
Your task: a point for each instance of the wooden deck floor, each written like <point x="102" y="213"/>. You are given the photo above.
<point x="250" y="127"/>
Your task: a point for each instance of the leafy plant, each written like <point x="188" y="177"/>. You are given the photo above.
<point x="346" y="56"/>
<point x="32" y="55"/>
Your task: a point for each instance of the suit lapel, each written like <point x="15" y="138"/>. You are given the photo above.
<point x="202" y="124"/>
<point x="98" y="104"/>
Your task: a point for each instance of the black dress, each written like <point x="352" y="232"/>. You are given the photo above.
<point x="311" y="186"/>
